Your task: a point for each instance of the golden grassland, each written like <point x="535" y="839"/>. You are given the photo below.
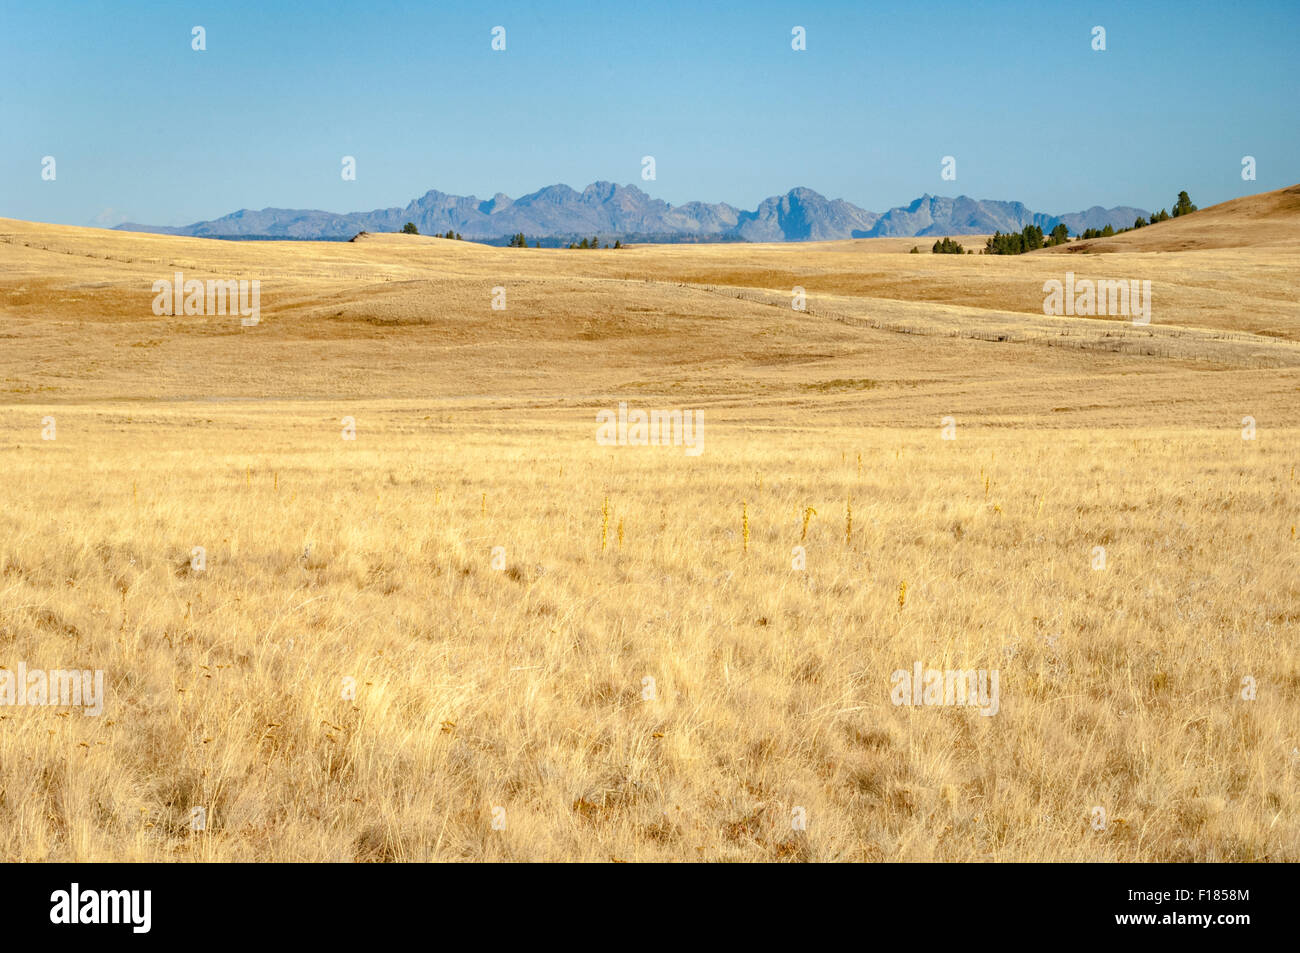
<point x="521" y="688"/>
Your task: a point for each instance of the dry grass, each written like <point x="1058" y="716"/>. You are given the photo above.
<point x="522" y="688"/>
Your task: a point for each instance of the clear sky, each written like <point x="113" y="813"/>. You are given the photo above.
<point x="143" y="128"/>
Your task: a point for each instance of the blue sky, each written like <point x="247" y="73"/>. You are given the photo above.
<point x="143" y="128"/>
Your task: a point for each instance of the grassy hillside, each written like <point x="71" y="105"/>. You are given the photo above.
<point x="511" y="684"/>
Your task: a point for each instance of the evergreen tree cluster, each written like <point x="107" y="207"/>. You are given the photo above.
<point x="947" y="247"/>
<point x="1015" y="243"/>
<point x="1183" y="206"/>
<point x="410" y="229"/>
<point x="1032" y="237"/>
<point x="595" y="243"/>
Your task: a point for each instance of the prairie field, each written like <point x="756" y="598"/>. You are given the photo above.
<point x="365" y="586"/>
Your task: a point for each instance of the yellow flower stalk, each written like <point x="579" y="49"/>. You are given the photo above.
<point x="604" y="524"/>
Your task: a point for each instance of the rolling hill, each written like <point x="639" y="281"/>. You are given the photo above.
<point x="1265" y="220"/>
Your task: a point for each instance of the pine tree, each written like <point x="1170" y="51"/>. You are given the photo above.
<point x="1184" y="205"/>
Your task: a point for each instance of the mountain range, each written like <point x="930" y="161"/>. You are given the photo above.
<point x="624" y="211"/>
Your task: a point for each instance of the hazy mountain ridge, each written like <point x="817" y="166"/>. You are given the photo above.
<point x="610" y="210"/>
<point x="937" y="215"/>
